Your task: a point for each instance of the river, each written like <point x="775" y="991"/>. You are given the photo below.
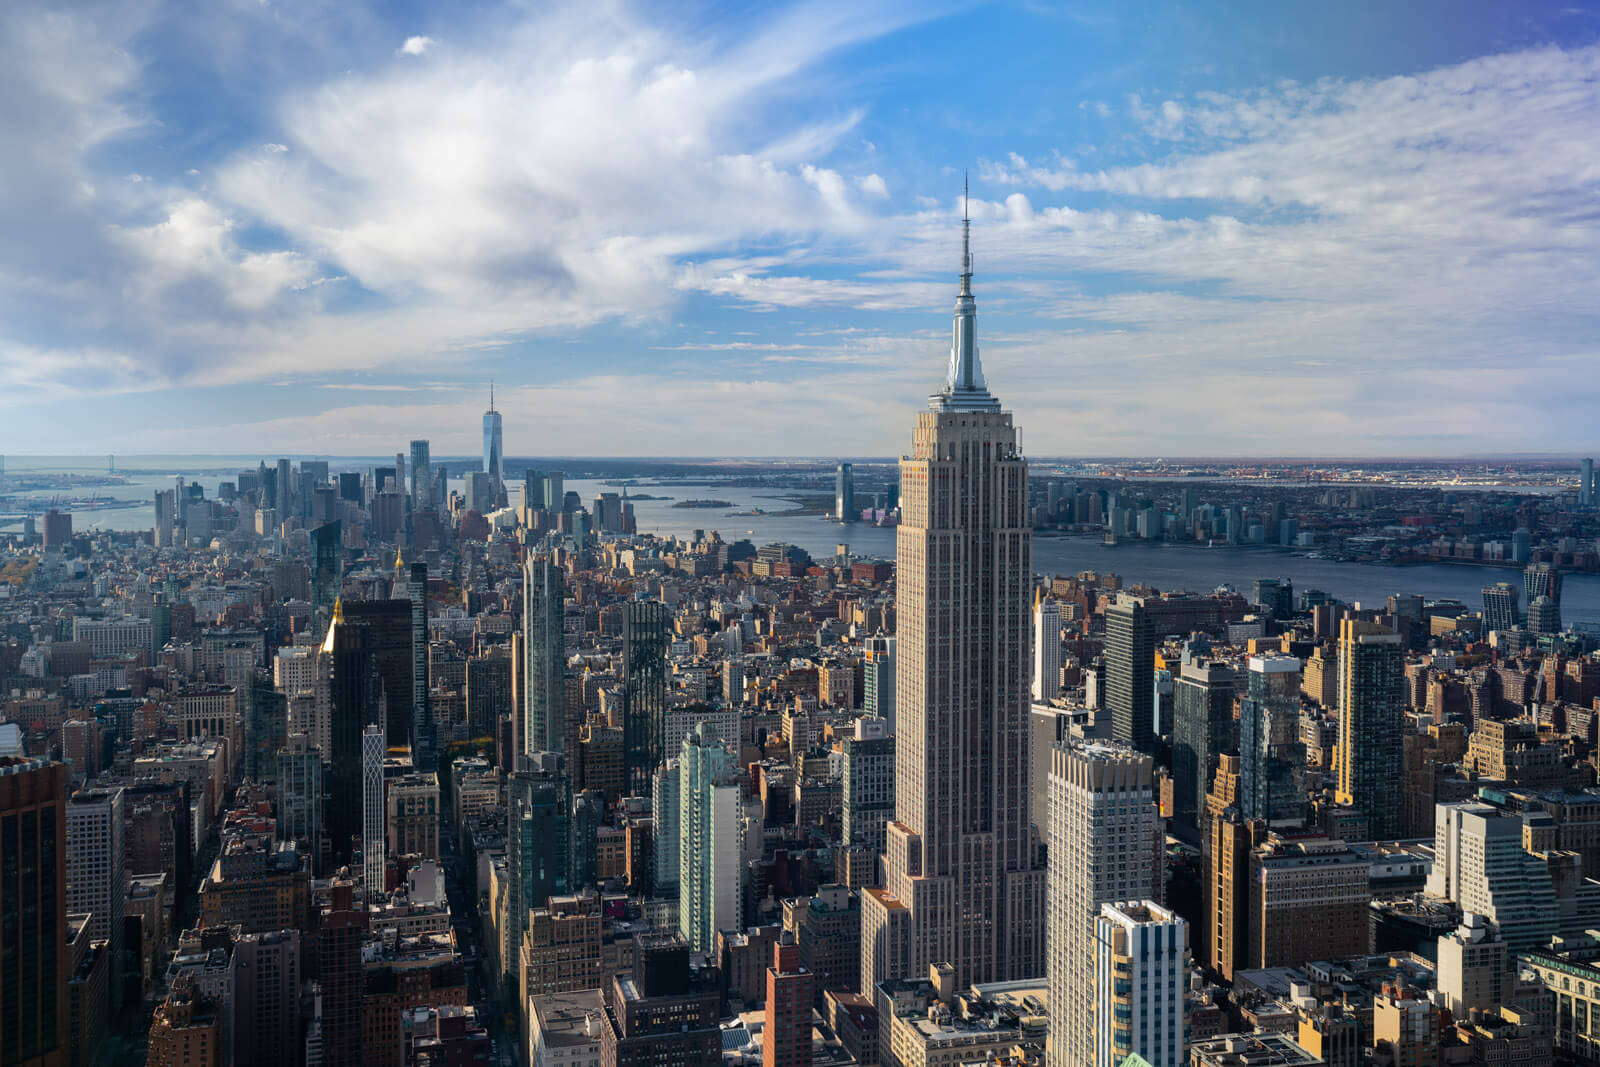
<point x="1165" y="566"/>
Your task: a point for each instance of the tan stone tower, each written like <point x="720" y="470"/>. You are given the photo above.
<point x="961" y="880"/>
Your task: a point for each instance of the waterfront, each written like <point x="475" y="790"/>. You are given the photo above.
<point x="1165" y="566"/>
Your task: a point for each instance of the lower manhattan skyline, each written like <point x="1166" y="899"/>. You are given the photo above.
<point x="1208" y="232"/>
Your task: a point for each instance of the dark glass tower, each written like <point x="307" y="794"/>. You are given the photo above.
<point x="355" y="691"/>
<point x="1202" y="729"/>
<point x="390" y="626"/>
<point x="34" y="1020"/>
<point x="644" y="692"/>
<point x="544" y="644"/>
<point x="1130" y="661"/>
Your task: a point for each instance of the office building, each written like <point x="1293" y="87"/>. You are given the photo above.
<point x="710" y="839"/>
<point x="1500" y="607"/>
<point x="1130" y="672"/>
<point x="391" y="626"/>
<point x="424" y="743"/>
<point x="1223" y="939"/>
<point x="1479" y="863"/>
<point x="644" y="691"/>
<point x="488" y="698"/>
<point x="1474" y="969"/>
<point x="421" y="476"/>
<point x="355" y="699"/>
<point x="300" y="803"/>
<point x="97" y="877"/>
<point x="877" y="678"/>
<point x="827" y="927"/>
<point x="412" y="814"/>
<point x="544" y="651"/>
<point x="1105" y="839"/>
<point x="493" y="448"/>
<point x="33" y="913"/>
<point x="1272" y="758"/>
<point x="341" y="932"/>
<point x="663" y="1012"/>
<point x="373" y="838"/>
<point x="961" y="857"/>
<point x="1202" y="729"/>
<point x="1309" y="898"/>
<point x="166" y="516"/>
<point x="844" y="494"/>
<point x="539" y="841"/>
<point x="564" y="1028"/>
<point x="1371" y="716"/>
<point x="867" y="784"/>
<point x="1047" y="657"/>
<point x="1544" y="616"/>
<point x="791" y="988"/>
<point x="264" y="979"/>
<point x="186" y="1028"/>
<point x="564" y="946"/>
<point x="1141" y="972"/>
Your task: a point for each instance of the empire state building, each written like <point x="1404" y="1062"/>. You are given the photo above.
<point x="962" y="883"/>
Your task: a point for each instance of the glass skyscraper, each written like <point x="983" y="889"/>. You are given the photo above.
<point x="493" y="452"/>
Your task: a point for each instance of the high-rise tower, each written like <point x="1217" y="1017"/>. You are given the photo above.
<point x="962" y="883"/>
<point x="493" y="454"/>
<point x="1371" y="723"/>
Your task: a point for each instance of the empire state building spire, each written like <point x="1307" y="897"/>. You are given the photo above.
<point x="964" y="387"/>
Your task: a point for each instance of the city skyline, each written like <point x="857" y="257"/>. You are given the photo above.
<point x="290" y="251"/>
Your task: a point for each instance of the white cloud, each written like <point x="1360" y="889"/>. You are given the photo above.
<point x="415" y="46"/>
<point x="873" y="185"/>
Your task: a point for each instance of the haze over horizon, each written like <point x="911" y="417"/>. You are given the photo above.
<point x="1293" y="232"/>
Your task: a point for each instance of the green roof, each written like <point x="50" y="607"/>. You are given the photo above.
<point x="1135" y="1060"/>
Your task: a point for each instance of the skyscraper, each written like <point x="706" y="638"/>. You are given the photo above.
<point x="1202" y="729"/>
<point x="786" y="1037"/>
<point x="1272" y="757"/>
<point x="97" y="874"/>
<point x="1480" y="864"/>
<point x="424" y="743"/>
<point x="1499" y="607"/>
<point x="710" y="838"/>
<point x="493" y="451"/>
<point x="1371" y="718"/>
<point x="355" y="702"/>
<point x="844" y="493"/>
<point x="1105" y="839"/>
<point x="544" y="646"/>
<point x="1046" y="648"/>
<point x="390" y="625"/>
<point x="539" y="841"/>
<point x="166" y="514"/>
<point x="421" y="476"/>
<point x="1541" y="579"/>
<point x="877" y="679"/>
<point x="1141" y="967"/>
<point x="1130" y="659"/>
<point x="868" y="784"/>
<point x="644" y="691"/>
<point x="34" y="1029"/>
<point x="372" y="811"/>
<point x="961" y="856"/>
<point x="300" y="810"/>
<point x="1586" y="483"/>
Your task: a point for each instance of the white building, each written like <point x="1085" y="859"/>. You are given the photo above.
<point x="1472" y="967"/>
<point x="1141" y="969"/>
<point x="1105" y="839"/>
<point x="372" y="810"/>
<point x="1480" y="865"/>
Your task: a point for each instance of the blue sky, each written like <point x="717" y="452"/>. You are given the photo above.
<point x="1247" y="229"/>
